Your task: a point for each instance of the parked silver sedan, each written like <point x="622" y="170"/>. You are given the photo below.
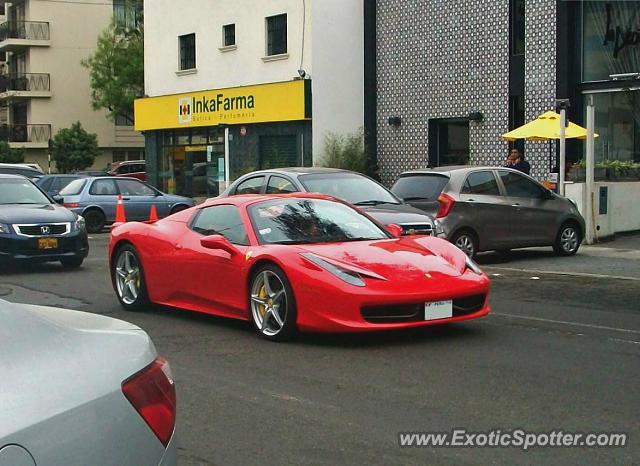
<point x="95" y="199"/>
<point x="81" y="389"/>
<point x="493" y="208"/>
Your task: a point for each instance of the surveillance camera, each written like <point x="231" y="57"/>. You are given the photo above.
<point x="302" y="73"/>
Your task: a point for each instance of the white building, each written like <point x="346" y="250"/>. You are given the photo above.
<point x="44" y="87"/>
<point x="237" y="85"/>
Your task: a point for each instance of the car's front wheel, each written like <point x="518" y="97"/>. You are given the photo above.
<point x="568" y="240"/>
<point x="272" y="305"/>
<point x="128" y="279"/>
<point x="72" y="262"/>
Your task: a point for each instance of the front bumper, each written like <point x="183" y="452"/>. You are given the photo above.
<point x="327" y="309"/>
<point x="23" y="248"/>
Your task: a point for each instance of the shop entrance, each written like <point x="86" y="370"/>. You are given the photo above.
<point x="448" y="142"/>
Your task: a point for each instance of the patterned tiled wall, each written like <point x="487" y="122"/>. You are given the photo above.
<point x="447" y="58"/>
<point x="540" y="75"/>
<point x="441" y="59"/>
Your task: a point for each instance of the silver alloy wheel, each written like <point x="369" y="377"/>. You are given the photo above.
<point x="128" y="277"/>
<point x="465" y="243"/>
<point x="268" y="303"/>
<point x="569" y="239"/>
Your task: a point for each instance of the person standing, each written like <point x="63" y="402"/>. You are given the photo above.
<point x="517" y="162"/>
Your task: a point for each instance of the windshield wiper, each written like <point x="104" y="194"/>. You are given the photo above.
<point x="297" y="241"/>
<point x="21" y="203"/>
<point x="374" y="202"/>
<point x="416" y="198"/>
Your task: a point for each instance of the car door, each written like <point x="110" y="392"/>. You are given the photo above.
<point x="482" y="207"/>
<point x="532" y="215"/>
<point x="214" y="278"/>
<point x="137" y="198"/>
<point x="103" y="193"/>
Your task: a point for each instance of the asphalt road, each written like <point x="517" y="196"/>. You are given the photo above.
<point x="561" y="350"/>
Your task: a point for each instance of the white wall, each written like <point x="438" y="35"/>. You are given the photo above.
<point x="623" y="210"/>
<point x="165" y="20"/>
<point x="338" y="69"/>
<point x="333" y="52"/>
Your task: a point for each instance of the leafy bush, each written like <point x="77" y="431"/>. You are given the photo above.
<point x="10" y="155"/>
<point x="74" y="149"/>
<point x="346" y="152"/>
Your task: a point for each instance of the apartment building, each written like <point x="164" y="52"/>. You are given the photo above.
<point x="43" y="86"/>
<point x="238" y="85"/>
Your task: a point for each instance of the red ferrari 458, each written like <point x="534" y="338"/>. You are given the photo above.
<point x="294" y="262"/>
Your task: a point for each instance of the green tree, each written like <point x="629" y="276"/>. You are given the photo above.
<point x="74" y="148"/>
<point x="346" y="152"/>
<point x="10" y="155"/>
<point x="116" y="69"/>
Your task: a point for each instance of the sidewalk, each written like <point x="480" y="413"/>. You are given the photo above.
<point x="624" y="241"/>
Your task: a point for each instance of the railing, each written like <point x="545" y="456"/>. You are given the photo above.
<point x="37" y="82"/>
<point x="25" y="133"/>
<point x="30" y="30"/>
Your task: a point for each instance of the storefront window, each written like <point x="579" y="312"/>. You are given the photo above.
<point x="611" y="39"/>
<point x="617" y="122"/>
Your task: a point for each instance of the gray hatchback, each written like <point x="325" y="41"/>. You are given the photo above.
<point x="493" y="208"/>
<point x="95" y="199"/>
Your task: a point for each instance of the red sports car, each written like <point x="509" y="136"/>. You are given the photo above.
<point x="294" y="262"/>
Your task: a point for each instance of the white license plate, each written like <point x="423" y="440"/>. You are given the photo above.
<point x="438" y="310"/>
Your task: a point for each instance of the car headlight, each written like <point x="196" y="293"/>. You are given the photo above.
<point x="5" y="229"/>
<point x="471" y="265"/>
<point x="345" y="275"/>
<point x="80" y="223"/>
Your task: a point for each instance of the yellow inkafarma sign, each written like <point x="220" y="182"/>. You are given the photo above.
<point x="263" y="103"/>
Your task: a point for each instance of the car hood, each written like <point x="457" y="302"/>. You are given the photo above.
<point x="403" y="259"/>
<point x="35" y="213"/>
<point x="397" y="213"/>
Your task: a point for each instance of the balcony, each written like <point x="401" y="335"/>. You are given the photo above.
<point x="18" y="35"/>
<point x="26" y="136"/>
<point x="25" y="85"/>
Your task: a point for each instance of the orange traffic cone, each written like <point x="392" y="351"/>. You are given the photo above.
<point x="120" y="217"/>
<point x="153" y="215"/>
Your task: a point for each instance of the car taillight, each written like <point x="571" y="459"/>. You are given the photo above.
<point x="152" y="393"/>
<point x="446" y="204"/>
<point x="71" y="204"/>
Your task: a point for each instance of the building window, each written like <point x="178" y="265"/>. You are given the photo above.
<point x="187" y="52"/>
<point x="124" y="120"/>
<point x="229" y="35"/>
<point x="517" y="26"/>
<point x="277" y="35"/>
<point x="127" y="13"/>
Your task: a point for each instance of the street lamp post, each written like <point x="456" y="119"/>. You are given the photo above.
<point x="562" y="104"/>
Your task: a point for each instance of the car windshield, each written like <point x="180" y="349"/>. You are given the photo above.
<point x="295" y="221"/>
<point x="21" y="191"/>
<point x="419" y="187"/>
<point x="74" y="188"/>
<point x="351" y="187"/>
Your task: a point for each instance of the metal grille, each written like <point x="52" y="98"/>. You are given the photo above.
<point x="415" y="312"/>
<point x="42" y="230"/>
<point x="416" y="229"/>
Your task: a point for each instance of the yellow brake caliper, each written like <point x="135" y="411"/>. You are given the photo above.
<point x="262" y="294"/>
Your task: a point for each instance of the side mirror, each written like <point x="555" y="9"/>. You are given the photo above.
<point x="58" y="199"/>
<point x="395" y="230"/>
<point x="218" y="242"/>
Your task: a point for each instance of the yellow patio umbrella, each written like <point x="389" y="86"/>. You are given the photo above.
<point x="546" y="128"/>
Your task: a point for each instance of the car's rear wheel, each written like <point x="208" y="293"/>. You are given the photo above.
<point x="273" y="308"/>
<point x="466" y="241"/>
<point x="128" y="279"/>
<point x="72" y="262"/>
<point x="568" y="240"/>
<point x="95" y="220"/>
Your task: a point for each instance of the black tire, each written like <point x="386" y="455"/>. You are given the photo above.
<point x="178" y="208"/>
<point x="95" y="220"/>
<point x="568" y="239"/>
<point x="272" y="330"/>
<point x="467" y="241"/>
<point x="71" y="262"/>
<point x="127" y="301"/>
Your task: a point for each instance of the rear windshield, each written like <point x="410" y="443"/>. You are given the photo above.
<point x="419" y="187"/>
<point x="74" y="188"/>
